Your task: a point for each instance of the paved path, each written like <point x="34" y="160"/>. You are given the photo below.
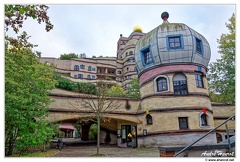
<point x="108" y="151"/>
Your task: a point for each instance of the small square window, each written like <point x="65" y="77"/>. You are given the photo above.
<point x="174" y="42"/>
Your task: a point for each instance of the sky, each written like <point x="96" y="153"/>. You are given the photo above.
<point x="95" y="29"/>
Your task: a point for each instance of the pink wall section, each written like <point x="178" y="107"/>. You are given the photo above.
<point x="157" y="71"/>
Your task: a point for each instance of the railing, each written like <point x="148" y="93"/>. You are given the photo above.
<point x="187" y="147"/>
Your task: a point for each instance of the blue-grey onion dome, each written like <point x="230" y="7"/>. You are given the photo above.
<point x="169" y="44"/>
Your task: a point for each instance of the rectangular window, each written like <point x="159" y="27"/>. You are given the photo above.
<point x="89" y="77"/>
<point x="80" y="76"/>
<point x="199" y="46"/>
<point x="174" y="42"/>
<point x="199" y="80"/>
<point x="183" y="122"/>
<point x="75" y="76"/>
<point x="118" y="72"/>
<point x="93" y="77"/>
<point x="147" y="57"/>
<point x="93" y="69"/>
<point x="180" y="87"/>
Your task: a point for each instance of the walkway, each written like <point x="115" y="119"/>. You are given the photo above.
<point x="108" y="151"/>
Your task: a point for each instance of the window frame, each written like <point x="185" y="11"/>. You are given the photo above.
<point x="179" y="85"/>
<point x="149" y="119"/>
<point x="76" y="68"/>
<point x="199" y="80"/>
<point x="149" y="55"/>
<point x="201" y="125"/>
<point x="80" y="76"/>
<point x="180" y="36"/>
<point x="199" y="41"/>
<point x="82" y="66"/>
<point x="89" y="68"/>
<point x="156" y="84"/>
<point x="180" y="125"/>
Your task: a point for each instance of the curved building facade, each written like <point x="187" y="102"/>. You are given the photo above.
<point x="171" y="62"/>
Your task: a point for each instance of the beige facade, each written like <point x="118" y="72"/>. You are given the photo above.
<point x="174" y="108"/>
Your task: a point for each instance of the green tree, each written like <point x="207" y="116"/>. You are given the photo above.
<point x="116" y="91"/>
<point x="68" y="56"/>
<point x="93" y="132"/>
<point x="134" y="88"/>
<point x="221" y="74"/>
<point x="26" y="98"/>
<point x="27" y="84"/>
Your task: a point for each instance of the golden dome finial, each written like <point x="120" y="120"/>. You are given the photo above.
<point x="137" y="29"/>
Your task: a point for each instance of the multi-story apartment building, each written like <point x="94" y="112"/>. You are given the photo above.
<point x="113" y="70"/>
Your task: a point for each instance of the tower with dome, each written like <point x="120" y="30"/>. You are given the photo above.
<point x="171" y="62"/>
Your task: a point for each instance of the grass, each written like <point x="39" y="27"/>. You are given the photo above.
<point x="98" y="155"/>
<point x="48" y="153"/>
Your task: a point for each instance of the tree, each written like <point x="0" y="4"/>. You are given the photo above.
<point x="221" y="74"/>
<point x="116" y="91"/>
<point x="99" y="105"/>
<point x="15" y="15"/>
<point x="134" y="89"/>
<point x="27" y="84"/>
<point x="68" y="56"/>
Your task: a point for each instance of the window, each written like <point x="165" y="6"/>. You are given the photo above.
<point x="199" y="46"/>
<point x="146" y="56"/>
<point x="219" y="137"/>
<point x="127" y="68"/>
<point x="93" y="76"/>
<point x="82" y="66"/>
<point x="89" y="77"/>
<point x="183" y="122"/>
<point x="174" y="42"/>
<point x="75" y="76"/>
<point x="89" y="68"/>
<point x="199" y="80"/>
<point x="131" y="53"/>
<point x="162" y="84"/>
<point x="149" y="119"/>
<point x="80" y="76"/>
<point x="93" y="69"/>
<point x="76" y="67"/>
<point x="119" y="72"/>
<point x="203" y="119"/>
<point x="180" y="84"/>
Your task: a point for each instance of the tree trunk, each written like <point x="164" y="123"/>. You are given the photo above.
<point x="98" y="138"/>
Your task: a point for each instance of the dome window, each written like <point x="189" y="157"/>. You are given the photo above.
<point x="174" y="42"/>
<point x="146" y="56"/>
<point x="199" y="46"/>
